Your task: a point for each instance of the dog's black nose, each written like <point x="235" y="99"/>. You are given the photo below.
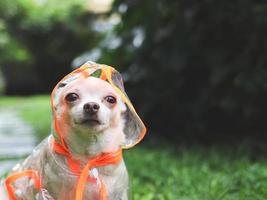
<point x="91" y="107"/>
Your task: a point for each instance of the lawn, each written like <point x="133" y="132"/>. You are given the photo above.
<point x="172" y="172"/>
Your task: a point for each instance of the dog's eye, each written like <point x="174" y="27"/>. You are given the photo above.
<point x="71" y="97"/>
<point x="111" y="99"/>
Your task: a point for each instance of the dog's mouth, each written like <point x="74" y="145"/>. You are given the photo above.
<point x="90" y="122"/>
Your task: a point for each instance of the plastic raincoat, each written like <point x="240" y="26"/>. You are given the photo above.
<point x="29" y="180"/>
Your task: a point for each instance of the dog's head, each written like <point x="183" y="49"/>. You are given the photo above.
<point x="92" y="99"/>
<point x="91" y="104"/>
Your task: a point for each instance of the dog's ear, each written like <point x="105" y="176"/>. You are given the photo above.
<point x="134" y="129"/>
<point x="117" y="80"/>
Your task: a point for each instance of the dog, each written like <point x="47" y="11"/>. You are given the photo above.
<point x="82" y="157"/>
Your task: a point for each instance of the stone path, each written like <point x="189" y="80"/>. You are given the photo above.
<point x="16" y="139"/>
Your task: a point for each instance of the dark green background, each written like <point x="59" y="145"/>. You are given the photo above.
<point x="199" y="74"/>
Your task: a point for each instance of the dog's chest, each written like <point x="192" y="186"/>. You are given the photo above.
<point x="62" y="184"/>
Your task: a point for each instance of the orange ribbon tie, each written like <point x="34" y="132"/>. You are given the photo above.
<point x="98" y="161"/>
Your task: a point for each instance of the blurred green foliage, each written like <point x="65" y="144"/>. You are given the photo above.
<point x="2" y="83"/>
<point x="195" y="68"/>
<point x="39" y="39"/>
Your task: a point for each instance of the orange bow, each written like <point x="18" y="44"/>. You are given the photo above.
<point x="75" y="166"/>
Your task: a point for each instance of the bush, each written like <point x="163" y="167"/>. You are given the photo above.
<point x="42" y="39"/>
<point x="2" y="83"/>
<point x="197" y="68"/>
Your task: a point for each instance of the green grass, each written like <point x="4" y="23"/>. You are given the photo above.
<point x="160" y="172"/>
<point x="197" y="173"/>
<point x="35" y="110"/>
